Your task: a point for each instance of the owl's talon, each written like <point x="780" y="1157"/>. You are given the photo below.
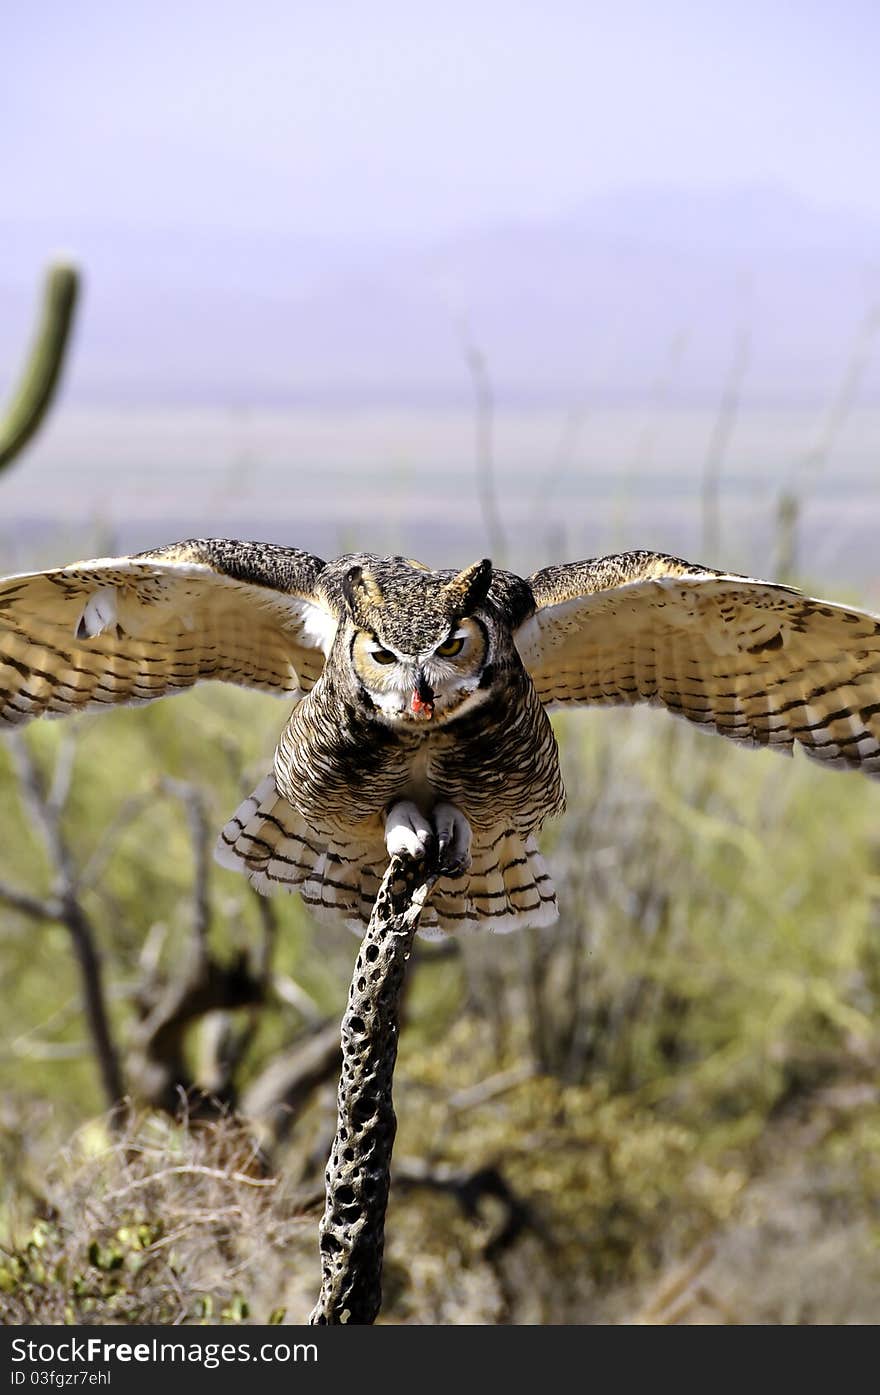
<point x="407" y="831"/>
<point x="453" y="840"/>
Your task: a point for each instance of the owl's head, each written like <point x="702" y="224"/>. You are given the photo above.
<point x="417" y="641"/>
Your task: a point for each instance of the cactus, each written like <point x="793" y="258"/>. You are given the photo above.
<point x="42" y="372"/>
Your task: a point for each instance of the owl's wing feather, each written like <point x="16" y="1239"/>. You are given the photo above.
<point x="757" y="662"/>
<point x="131" y="629"/>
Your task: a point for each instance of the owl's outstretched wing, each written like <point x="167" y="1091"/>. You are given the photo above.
<point x="757" y="662"/>
<point x="131" y="629"/>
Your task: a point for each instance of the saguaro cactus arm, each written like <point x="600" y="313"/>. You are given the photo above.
<point x="34" y="395"/>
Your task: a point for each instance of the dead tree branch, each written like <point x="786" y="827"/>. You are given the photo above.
<point x="352" y="1230"/>
<point x="469" y="1189"/>
<point x="280" y="1091"/>
<point x="169" y="1007"/>
<point x="201" y="838"/>
<point x="45" y="807"/>
<point x="158" y="1067"/>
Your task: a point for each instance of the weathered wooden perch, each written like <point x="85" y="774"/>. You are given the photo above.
<point x="352" y="1232"/>
<point x="33" y="397"/>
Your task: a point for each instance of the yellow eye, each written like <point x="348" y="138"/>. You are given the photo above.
<point x="449" y="648"/>
<point x="383" y="656"/>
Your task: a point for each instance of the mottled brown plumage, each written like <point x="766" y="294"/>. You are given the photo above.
<point x="421" y="695"/>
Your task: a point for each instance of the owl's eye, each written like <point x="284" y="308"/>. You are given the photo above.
<point x="383" y="656"/>
<point x="449" y="648"/>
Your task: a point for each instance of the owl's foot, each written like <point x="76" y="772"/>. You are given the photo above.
<point x="453" y="840"/>
<point x="409" y="834"/>
<point x="407" y="831"/>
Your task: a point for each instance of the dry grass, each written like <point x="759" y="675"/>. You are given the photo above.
<point x="169" y="1221"/>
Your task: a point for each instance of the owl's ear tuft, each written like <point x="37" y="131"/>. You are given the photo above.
<point x="361" y="591"/>
<point x="470" y="588"/>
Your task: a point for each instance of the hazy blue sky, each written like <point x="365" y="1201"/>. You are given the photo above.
<point x="394" y="117"/>
<point x="297" y="206"/>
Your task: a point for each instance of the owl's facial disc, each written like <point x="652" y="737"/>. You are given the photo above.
<point x="424" y="688"/>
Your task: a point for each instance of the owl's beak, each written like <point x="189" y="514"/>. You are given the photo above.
<point x="422" y="702"/>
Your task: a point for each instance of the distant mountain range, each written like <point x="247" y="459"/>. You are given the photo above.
<point x="648" y="295"/>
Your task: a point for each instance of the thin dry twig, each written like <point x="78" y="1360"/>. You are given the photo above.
<point x="191" y="1169"/>
<point x="678" y="1290"/>
<point x="492" y="1086"/>
<point x="722" y="434"/>
<point x="802" y="479"/>
<point x="484" y="426"/>
<point x="36" y="907"/>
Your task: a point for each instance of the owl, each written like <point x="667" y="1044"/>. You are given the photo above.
<point x="420" y="697"/>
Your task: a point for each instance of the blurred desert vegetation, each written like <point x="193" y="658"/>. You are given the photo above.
<point x="664" y="1109"/>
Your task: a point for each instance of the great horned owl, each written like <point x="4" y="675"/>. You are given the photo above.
<point x="421" y="695"/>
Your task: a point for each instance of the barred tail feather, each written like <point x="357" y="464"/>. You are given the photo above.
<point x="508" y="885"/>
<point x="277" y="850"/>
